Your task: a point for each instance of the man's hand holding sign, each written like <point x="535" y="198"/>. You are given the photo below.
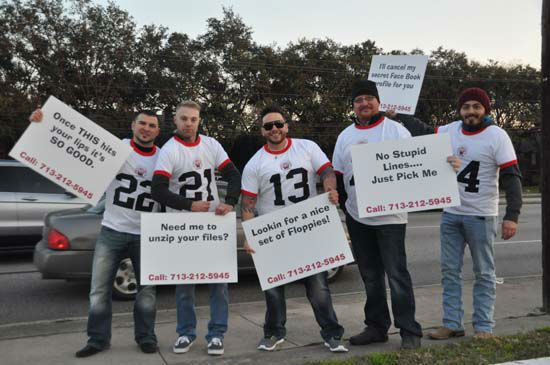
<point x="399" y="80"/>
<point x="71" y="150"/>
<point x="184" y="180"/>
<point x="375" y="158"/>
<point x="297" y="241"/>
<point x="392" y="176"/>
<point x="297" y="235"/>
<point x="120" y="227"/>
<point x="181" y="248"/>
<point x="248" y="207"/>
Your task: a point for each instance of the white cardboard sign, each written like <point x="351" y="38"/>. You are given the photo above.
<point x="297" y="241"/>
<point x="399" y="80"/>
<point x="72" y="151"/>
<point x="404" y="175"/>
<point x="188" y="248"/>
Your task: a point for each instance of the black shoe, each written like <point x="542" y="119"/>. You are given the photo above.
<point x="148" y="347"/>
<point x="410" y="342"/>
<point x="88" y="351"/>
<point x="369" y="335"/>
<point x="215" y="346"/>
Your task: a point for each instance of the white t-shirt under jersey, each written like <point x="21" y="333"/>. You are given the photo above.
<point x="129" y="194"/>
<point x="384" y="129"/>
<point x="191" y="166"/>
<point x="285" y="177"/>
<point x="482" y="154"/>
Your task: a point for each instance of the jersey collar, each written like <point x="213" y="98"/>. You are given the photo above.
<point x="140" y="151"/>
<point x="369" y="126"/>
<point x="196" y="143"/>
<point x="269" y="150"/>
<point x="465" y="132"/>
<point x="471" y="130"/>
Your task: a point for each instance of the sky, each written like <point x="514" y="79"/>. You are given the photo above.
<point x="504" y="30"/>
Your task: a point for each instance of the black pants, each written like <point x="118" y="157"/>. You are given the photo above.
<point x="318" y="294"/>
<point x="380" y="250"/>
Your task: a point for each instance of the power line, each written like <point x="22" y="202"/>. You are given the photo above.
<point x="282" y="54"/>
<point x="468" y="76"/>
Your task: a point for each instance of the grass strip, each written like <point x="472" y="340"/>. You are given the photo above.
<point x="529" y="345"/>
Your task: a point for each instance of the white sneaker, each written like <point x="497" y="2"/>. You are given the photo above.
<point x="215" y="346"/>
<point x="335" y="345"/>
<point x="270" y="343"/>
<point x="182" y="345"/>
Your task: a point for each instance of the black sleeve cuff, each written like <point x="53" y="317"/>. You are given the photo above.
<point x="162" y="194"/>
<point x="231" y="200"/>
<point x="510" y="182"/>
<point x="342" y="194"/>
<point x="233" y="177"/>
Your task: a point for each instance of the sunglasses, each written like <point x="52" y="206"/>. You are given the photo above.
<point x="269" y="125"/>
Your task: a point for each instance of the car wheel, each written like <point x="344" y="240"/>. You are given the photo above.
<point x="332" y="274"/>
<point x="125" y="284"/>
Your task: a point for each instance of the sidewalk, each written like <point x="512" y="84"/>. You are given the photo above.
<point x="56" y="342"/>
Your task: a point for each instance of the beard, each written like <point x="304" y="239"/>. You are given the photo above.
<point x="277" y="139"/>
<point x="143" y="141"/>
<point x="472" y="119"/>
<point x="365" y="113"/>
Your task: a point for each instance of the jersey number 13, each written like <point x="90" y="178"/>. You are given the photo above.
<point x="300" y="185"/>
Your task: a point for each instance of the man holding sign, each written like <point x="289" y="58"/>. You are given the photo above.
<point x="185" y="180"/>
<point x="486" y="152"/>
<point x="282" y="173"/>
<point x="378" y="242"/>
<point x="126" y="197"/>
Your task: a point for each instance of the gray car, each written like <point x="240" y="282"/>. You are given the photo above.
<point x="25" y="198"/>
<point x="67" y="247"/>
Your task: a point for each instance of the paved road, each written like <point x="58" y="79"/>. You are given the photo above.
<point x="24" y="296"/>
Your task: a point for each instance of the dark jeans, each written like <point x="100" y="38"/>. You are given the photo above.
<point x="318" y="294"/>
<point x="111" y="246"/>
<point x="380" y="250"/>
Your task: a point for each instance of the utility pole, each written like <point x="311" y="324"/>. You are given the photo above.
<point x="545" y="165"/>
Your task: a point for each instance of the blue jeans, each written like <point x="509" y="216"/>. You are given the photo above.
<point x="110" y="248"/>
<point x="380" y="251"/>
<point x="219" y="311"/>
<point x="318" y="294"/>
<point x="479" y="234"/>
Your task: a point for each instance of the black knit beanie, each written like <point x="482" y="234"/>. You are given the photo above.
<point x="364" y="87"/>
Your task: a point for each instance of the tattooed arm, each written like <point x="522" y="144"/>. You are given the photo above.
<point x="328" y="179"/>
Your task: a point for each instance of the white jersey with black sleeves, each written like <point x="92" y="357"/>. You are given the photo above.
<point x="191" y="168"/>
<point x="482" y="153"/>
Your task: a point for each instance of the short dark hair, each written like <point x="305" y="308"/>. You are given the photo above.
<point x="148" y="112"/>
<point x="273" y="108"/>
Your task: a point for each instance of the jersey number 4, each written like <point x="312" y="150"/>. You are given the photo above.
<point x="468" y="176"/>
<point x="302" y="184"/>
<point x="130" y="202"/>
